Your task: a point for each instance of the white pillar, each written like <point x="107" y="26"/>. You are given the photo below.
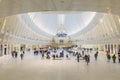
<point x="12" y="48"/>
<point x="110" y="47"/>
<point x="117" y="49"/>
<point x="104" y="47"/>
<point x="3" y="49"/>
<point x="19" y="47"/>
<point x="9" y="48"/>
<point x="107" y="47"/>
<point x="114" y="48"/>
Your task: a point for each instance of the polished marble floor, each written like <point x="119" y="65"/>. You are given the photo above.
<point x="35" y="68"/>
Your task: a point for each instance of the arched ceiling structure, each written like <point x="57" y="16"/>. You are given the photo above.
<point x="39" y="21"/>
<point x="12" y="7"/>
<point x="30" y="28"/>
<point x="48" y="24"/>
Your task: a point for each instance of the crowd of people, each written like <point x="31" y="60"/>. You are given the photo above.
<point x="54" y="54"/>
<point x="49" y="54"/>
<point x="15" y="54"/>
<point x="113" y="56"/>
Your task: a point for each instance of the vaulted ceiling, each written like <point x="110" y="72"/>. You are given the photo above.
<point x="48" y="24"/>
<point x="11" y="7"/>
<point x="37" y="21"/>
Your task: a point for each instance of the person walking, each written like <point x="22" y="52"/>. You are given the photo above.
<point x="88" y="59"/>
<point x="114" y="58"/>
<point x="23" y="52"/>
<point x="21" y="56"/>
<point x="16" y="54"/>
<point x="42" y="54"/>
<point x="96" y="55"/>
<point x="119" y="56"/>
<point x="85" y="57"/>
<point x="78" y="57"/>
<point x="13" y="54"/>
<point x="108" y="55"/>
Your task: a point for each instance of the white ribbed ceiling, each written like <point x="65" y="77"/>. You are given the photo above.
<point x="48" y="24"/>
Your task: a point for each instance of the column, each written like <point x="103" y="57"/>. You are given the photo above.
<point x="110" y="48"/>
<point x="114" y="46"/>
<point x="104" y="47"/>
<point x="7" y="49"/>
<point x="117" y="49"/>
<point x="2" y="49"/>
<point x="10" y="48"/>
<point x="19" y="47"/>
<point x="107" y="47"/>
